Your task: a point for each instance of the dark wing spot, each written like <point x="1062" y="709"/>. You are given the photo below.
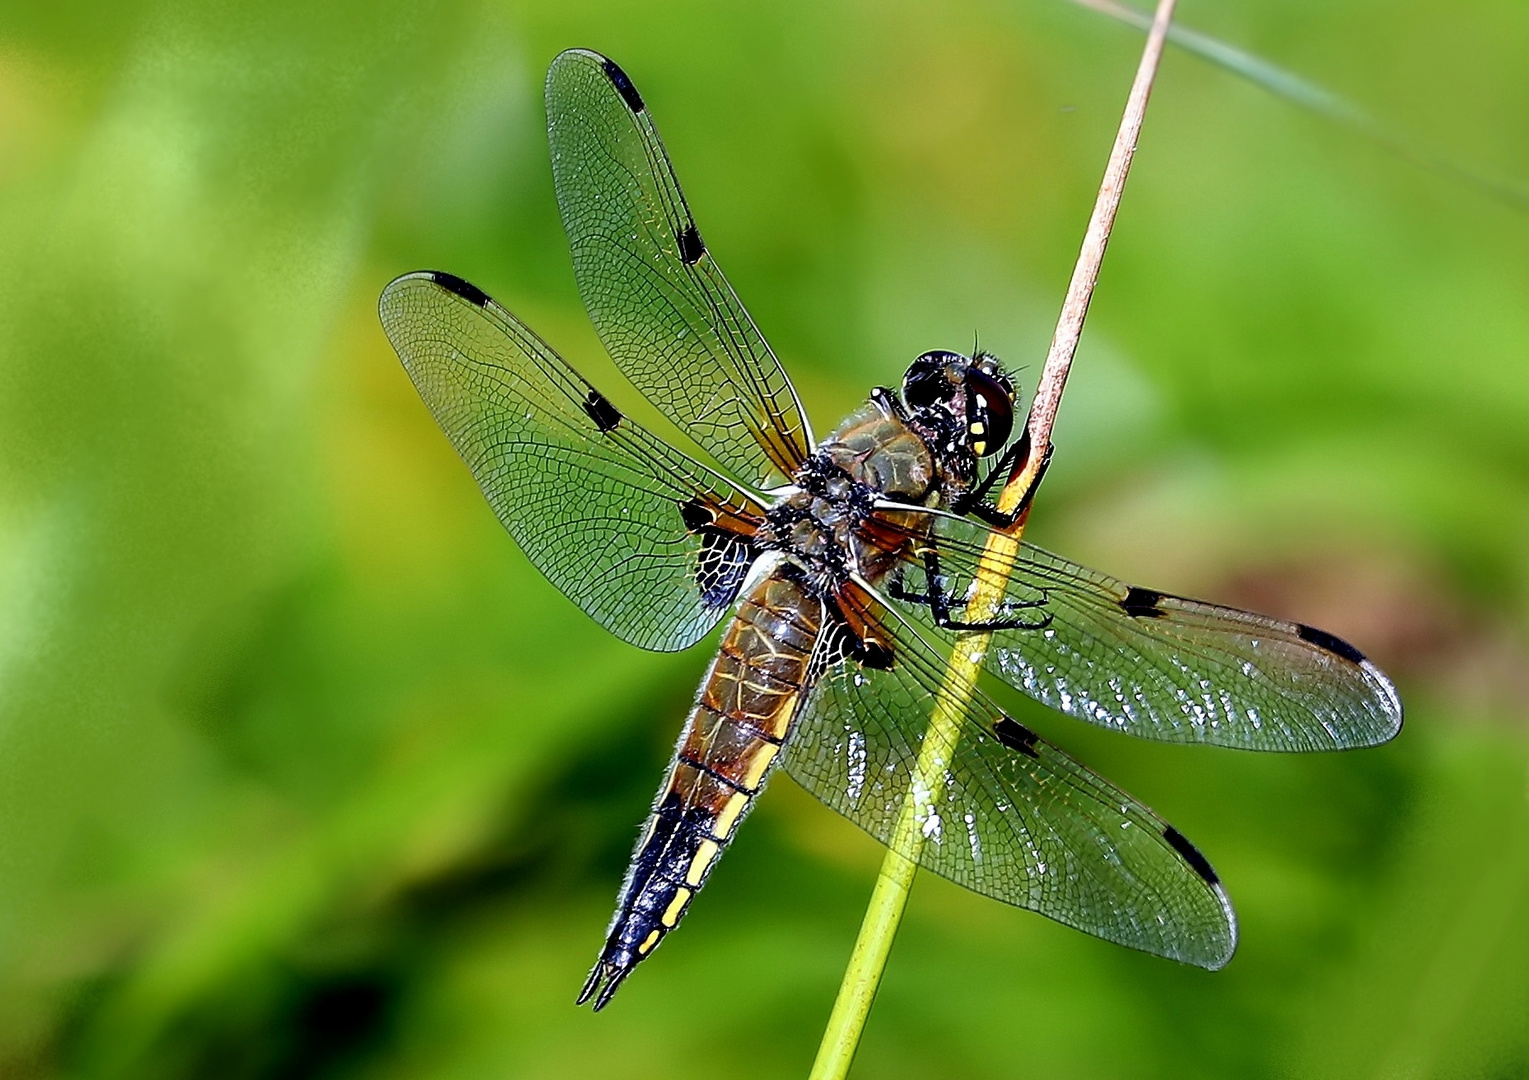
<point x="1191" y="854"/>
<point x="605" y="415"/>
<point x="1016" y="736"/>
<point x="1323" y="640"/>
<point x="724" y="558"/>
<point x="691" y="247"/>
<point x="721" y="566"/>
<point x="623" y="86"/>
<point x="455" y="285"/>
<point x="874" y="655"/>
<point x="1142" y="603"/>
<point x="840" y="644"/>
<point x="696" y="515"/>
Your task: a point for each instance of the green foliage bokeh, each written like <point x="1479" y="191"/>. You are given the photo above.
<point x="304" y="772"/>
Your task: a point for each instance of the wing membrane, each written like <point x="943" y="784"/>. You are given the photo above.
<point x="1011" y="816"/>
<point x="1164" y="667"/>
<point x="649" y="543"/>
<point x="656" y="297"/>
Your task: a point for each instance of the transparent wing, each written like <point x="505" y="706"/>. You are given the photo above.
<point x="652" y="545"/>
<point x="655" y="294"/>
<point x="1164" y="667"/>
<point x="1009" y="815"/>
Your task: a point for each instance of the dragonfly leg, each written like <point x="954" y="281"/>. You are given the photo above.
<point x="938" y="601"/>
<point x="1010" y="458"/>
<point x="976" y="502"/>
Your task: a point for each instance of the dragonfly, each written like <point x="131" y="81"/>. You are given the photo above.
<point x="845" y="569"/>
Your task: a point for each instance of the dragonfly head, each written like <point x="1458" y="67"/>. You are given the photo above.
<point x="961" y="406"/>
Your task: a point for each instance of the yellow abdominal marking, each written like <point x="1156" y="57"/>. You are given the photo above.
<point x="703" y="857"/>
<point x="979" y="447"/>
<point x="977" y="428"/>
<point x="764" y="690"/>
<point x="729" y="815"/>
<point x="672" y="912"/>
<point x="648" y="943"/>
<point x="761" y="761"/>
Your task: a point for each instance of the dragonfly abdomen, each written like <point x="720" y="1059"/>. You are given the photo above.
<point x="732" y="739"/>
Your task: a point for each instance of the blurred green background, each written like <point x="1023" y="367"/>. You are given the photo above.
<point x="304" y="772"/>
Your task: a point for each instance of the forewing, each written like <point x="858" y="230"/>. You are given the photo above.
<point x="1008" y="815"/>
<point x="1164" y="667"/>
<point x="652" y="545"/>
<point x="654" y="292"/>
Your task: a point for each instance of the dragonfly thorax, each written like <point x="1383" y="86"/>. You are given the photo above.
<point x="824" y="521"/>
<point x="816" y="522"/>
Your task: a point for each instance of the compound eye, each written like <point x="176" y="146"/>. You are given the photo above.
<point x="927" y="383"/>
<point x="993" y="421"/>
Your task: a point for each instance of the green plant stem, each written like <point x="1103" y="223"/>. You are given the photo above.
<point x="889" y="898"/>
<point x="863" y="974"/>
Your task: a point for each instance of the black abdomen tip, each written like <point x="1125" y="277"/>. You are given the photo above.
<point x="603" y="982"/>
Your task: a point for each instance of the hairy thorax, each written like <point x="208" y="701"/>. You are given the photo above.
<point x="827" y="521"/>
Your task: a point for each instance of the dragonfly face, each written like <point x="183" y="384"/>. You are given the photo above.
<point x="964" y="408"/>
<point x="845" y="588"/>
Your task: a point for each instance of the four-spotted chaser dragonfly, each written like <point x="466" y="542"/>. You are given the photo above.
<point x="844" y="569"/>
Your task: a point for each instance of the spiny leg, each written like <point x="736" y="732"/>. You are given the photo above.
<point x="938" y="601"/>
<point x="976" y="504"/>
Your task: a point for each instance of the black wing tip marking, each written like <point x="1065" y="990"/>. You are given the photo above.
<point x="1392" y="701"/>
<point x="605" y="415"/>
<point x="1016" y="736"/>
<point x="1332" y="643"/>
<point x="623" y="84"/>
<point x="1191" y="855"/>
<point x="691" y="245"/>
<point x="457" y="287"/>
<point x="1142" y="603"/>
